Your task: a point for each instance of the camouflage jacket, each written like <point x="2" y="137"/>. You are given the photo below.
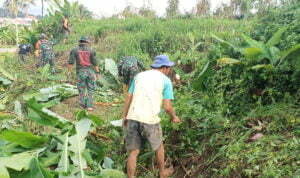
<point x="83" y="56"/>
<point x="128" y="67"/>
<point x="47" y="49"/>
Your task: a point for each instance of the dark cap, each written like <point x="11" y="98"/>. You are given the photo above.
<point x="84" y="39"/>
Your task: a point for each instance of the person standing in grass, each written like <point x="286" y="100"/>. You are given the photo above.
<point x="86" y="71"/>
<point x="24" y="50"/>
<point x="128" y="67"/>
<point x="65" y="28"/>
<point x="147" y="92"/>
<point x="47" y="54"/>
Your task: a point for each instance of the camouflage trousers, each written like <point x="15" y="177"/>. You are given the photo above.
<point x="86" y="84"/>
<point x="47" y="60"/>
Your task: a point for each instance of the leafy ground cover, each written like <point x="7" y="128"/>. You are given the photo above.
<point x="239" y="100"/>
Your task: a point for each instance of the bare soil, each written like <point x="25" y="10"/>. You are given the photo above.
<point x="69" y="107"/>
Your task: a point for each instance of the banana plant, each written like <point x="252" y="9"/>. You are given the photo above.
<point x="258" y="51"/>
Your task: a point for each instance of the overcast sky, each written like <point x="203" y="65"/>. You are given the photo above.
<point x="110" y="7"/>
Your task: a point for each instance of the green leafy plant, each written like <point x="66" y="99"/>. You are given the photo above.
<point x="258" y="51"/>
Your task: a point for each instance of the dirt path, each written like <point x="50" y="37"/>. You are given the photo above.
<point x="70" y="106"/>
<point x="8" y="50"/>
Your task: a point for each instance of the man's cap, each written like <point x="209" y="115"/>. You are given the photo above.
<point x="84" y="39"/>
<point x="162" y="60"/>
<point x="43" y="36"/>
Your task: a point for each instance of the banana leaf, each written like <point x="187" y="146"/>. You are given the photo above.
<point x="63" y="165"/>
<point x="223" y="41"/>
<point x="5" y="81"/>
<point x="78" y="144"/>
<point x="252" y="53"/>
<point x="44" y="116"/>
<point x="253" y="43"/>
<point x="6" y="74"/>
<point x="207" y="71"/>
<point x="262" y="66"/>
<point x="25" y="139"/>
<point x="275" y="39"/>
<point x="111" y="67"/>
<point x="46" y="94"/>
<point x="16" y="162"/>
<point x="36" y="170"/>
<point x="226" y="61"/>
<point x="290" y="54"/>
<point x="107" y="163"/>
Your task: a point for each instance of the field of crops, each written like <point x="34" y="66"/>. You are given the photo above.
<point x="239" y="98"/>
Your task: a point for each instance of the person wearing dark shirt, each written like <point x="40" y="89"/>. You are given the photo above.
<point x="86" y="70"/>
<point x="24" y="50"/>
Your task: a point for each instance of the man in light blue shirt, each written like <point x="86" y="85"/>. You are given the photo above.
<point x="147" y="93"/>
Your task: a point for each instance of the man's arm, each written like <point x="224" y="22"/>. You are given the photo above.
<point x="168" y="107"/>
<point x="72" y="59"/>
<point x="37" y="45"/>
<point x="128" y="101"/>
<point x="94" y="62"/>
<point x="127" y="104"/>
<point x="66" y="24"/>
<point x="168" y="96"/>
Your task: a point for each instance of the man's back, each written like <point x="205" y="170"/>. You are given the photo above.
<point x="83" y="56"/>
<point x="128" y="67"/>
<point x="149" y="89"/>
<point x="24" y="48"/>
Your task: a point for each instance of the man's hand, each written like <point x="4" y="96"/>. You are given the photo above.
<point x="170" y="110"/>
<point x="176" y="119"/>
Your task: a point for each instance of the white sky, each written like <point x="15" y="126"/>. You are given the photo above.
<point x="110" y="7"/>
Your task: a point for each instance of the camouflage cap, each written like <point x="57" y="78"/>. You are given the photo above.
<point x="43" y="36"/>
<point x="84" y="39"/>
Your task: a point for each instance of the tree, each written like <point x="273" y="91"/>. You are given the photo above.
<point x="129" y="11"/>
<point x="14" y="7"/>
<point x="264" y="5"/>
<point x="173" y="8"/>
<point x="224" y="10"/>
<point x="202" y="7"/>
<point x="69" y="9"/>
<point x="146" y="10"/>
<point x="242" y="7"/>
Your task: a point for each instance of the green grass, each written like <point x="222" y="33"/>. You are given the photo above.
<point x="211" y="142"/>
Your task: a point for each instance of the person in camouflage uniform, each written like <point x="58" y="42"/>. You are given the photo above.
<point x="47" y="54"/>
<point x="128" y="67"/>
<point x="86" y="69"/>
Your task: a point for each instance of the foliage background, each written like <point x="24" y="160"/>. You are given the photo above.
<point x="223" y="103"/>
